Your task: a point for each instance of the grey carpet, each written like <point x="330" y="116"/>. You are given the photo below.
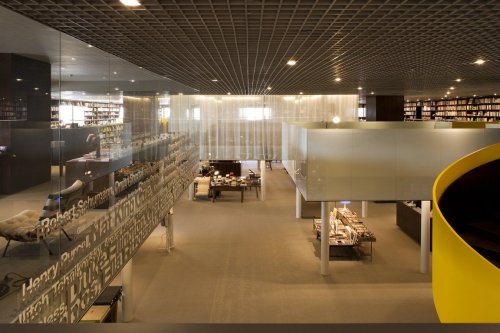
<point x="253" y="262"/>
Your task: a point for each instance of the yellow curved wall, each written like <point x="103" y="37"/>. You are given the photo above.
<point x="466" y="287"/>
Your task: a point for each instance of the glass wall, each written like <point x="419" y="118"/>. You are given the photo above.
<point x="88" y="168"/>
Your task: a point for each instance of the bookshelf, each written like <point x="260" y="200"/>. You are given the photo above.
<point x="13" y="110"/>
<point x="101" y="113"/>
<point x="85" y="113"/>
<point x="54" y="114"/>
<point x="480" y="109"/>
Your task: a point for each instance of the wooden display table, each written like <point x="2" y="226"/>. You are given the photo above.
<point x="221" y="188"/>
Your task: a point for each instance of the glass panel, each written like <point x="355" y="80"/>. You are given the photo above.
<point x="26" y="164"/>
<point x="389" y="163"/>
<point x="89" y="163"/>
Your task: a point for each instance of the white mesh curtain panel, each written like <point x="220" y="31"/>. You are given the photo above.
<point x="249" y="127"/>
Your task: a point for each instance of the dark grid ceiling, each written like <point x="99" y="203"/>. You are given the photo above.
<point x="416" y="48"/>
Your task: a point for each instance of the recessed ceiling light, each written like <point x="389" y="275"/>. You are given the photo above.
<point x="140" y="67"/>
<point x="132" y="80"/>
<point x="458" y="80"/>
<point x="494" y="94"/>
<point x="452" y="88"/>
<point x="474" y="95"/>
<point x="157" y="93"/>
<point x="36" y="88"/>
<point x="181" y="94"/>
<point x="117" y="88"/>
<point x="269" y="88"/>
<point x="84" y="94"/>
<point x="336" y="119"/>
<point x="479" y="61"/>
<point x="115" y="73"/>
<point x="214" y="80"/>
<point x="301" y="93"/>
<point x="360" y="88"/>
<point x="73" y="59"/>
<point x="337" y="79"/>
<point x="291" y="62"/>
<point x="447" y="92"/>
<point x="371" y="93"/>
<point x="19" y="79"/>
<point x="229" y="93"/>
<point x="130" y="3"/>
<point x="88" y="45"/>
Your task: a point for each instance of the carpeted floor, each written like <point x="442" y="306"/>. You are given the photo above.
<point x="254" y="262"/>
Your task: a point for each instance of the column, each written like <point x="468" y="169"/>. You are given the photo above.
<point x="298" y="203"/>
<point x="127" y="298"/>
<point x="263" y="180"/>
<point x="364" y="208"/>
<point x="112" y="186"/>
<point x="191" y="191"/>
<point x="170" y="223"/>
<point x="425" y="236"/>
<point x="325" y="238"/>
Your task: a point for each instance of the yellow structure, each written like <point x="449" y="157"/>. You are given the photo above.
<point x="466" y="286"/>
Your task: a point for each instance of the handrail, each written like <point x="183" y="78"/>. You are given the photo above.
<point x="465" y="285"/>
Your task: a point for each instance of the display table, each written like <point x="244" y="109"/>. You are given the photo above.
<point x="221" y="188"/>
<point x="346" y="231"/>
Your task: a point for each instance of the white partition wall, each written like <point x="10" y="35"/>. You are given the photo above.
<point x="397" y="161"/>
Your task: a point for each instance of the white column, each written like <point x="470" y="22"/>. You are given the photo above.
<point x="364" y="208"/>
<point x="298" y="203"/>
<point x="112" y="186"/>
<point x="170" y="222"/>
<point x="191" y="191"/>
<point x="263" y="180"/>
<point x="127" y="298"/>
<point x="425" y="236"/>
<point x="325" y="237"/>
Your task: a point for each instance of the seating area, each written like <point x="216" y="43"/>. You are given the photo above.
<point x="202" y="187"/>
<point x="23" y="227"/>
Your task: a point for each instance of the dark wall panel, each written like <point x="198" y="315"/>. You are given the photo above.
<point x="385" y="108"/>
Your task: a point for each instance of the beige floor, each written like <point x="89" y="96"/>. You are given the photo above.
<point x="253" y="262"/>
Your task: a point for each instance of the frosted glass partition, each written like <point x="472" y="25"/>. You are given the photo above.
<point x="378" y="164"/>
<point x="294" y="149"/>
<point x="250" y="127"/>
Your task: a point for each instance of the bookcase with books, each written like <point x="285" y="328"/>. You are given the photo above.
<point x="476" y="108"/>
<point x="13" y="109"/>
<point x="101" y="113"/>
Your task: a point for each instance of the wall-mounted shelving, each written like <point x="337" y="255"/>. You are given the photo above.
<point x="481" y="109"/>
<point x="13" y="110"/>
<point x="101" y="113"/>
<point x="85" y="113"/>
